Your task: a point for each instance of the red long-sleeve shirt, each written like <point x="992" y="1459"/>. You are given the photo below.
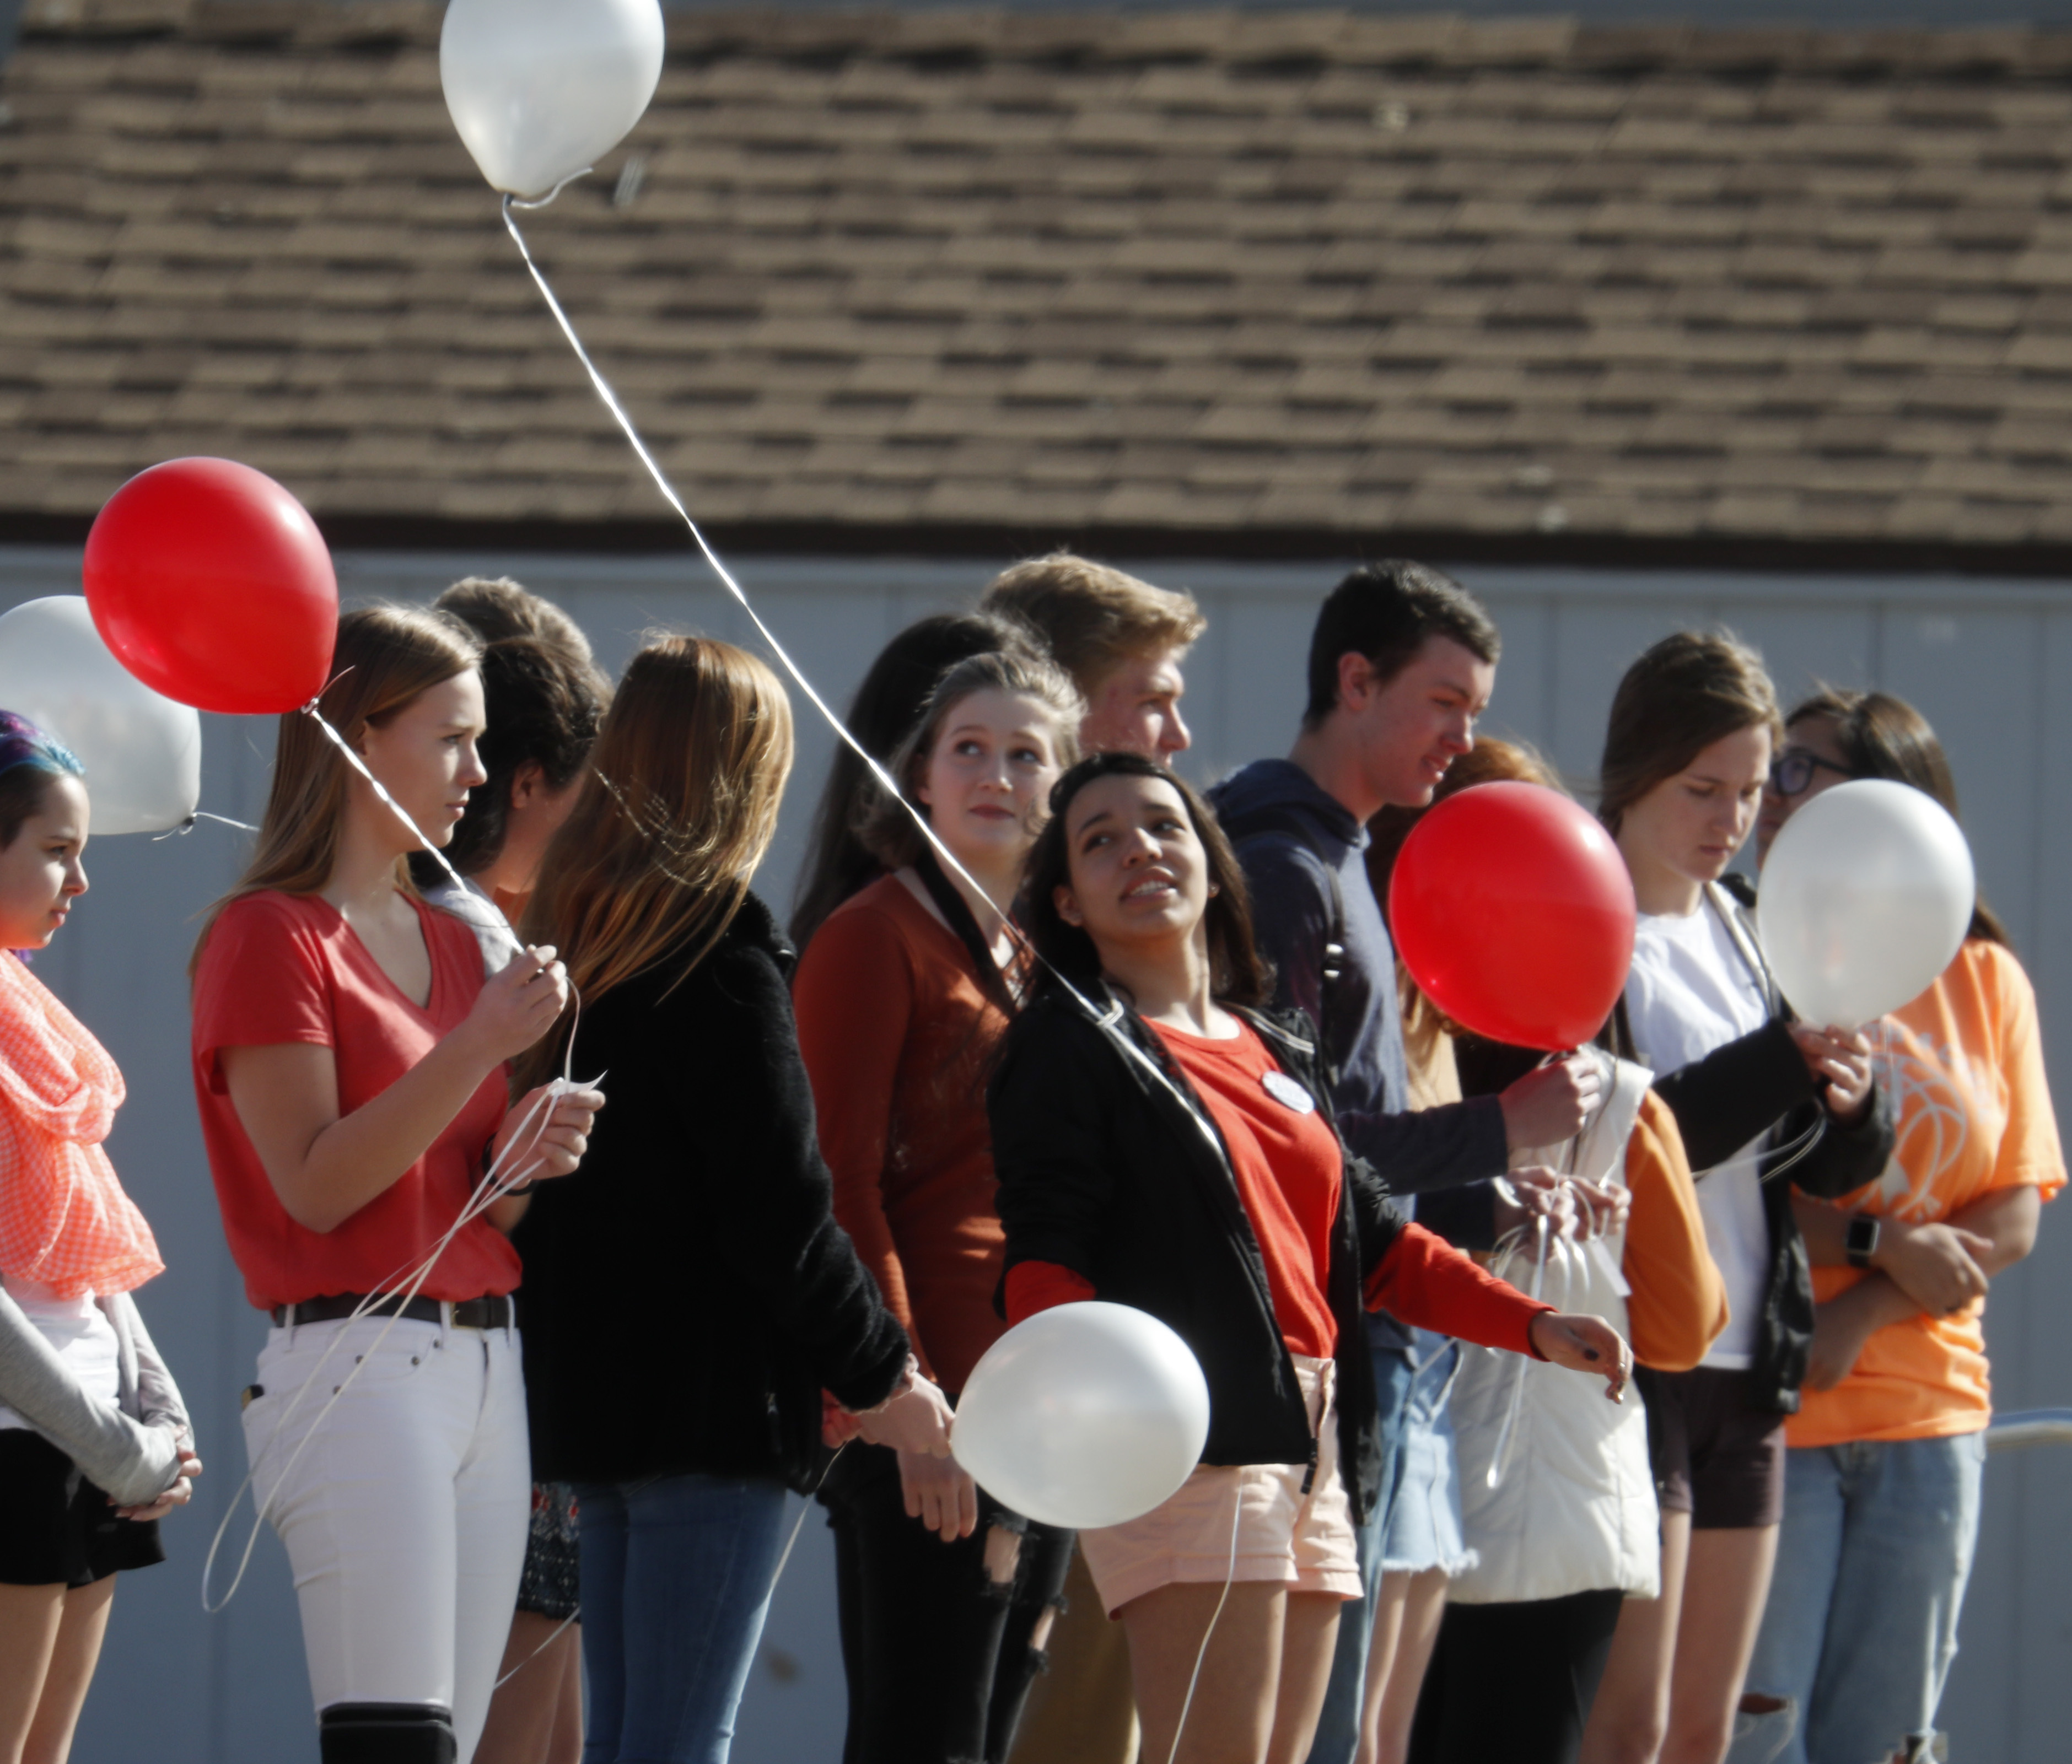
<point x="1289" y="1168"/>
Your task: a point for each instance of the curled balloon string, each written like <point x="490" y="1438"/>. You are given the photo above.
<point x="1107" y="1022"/>
<point x="541" y="202"/>
<point x="505" y="1172"/>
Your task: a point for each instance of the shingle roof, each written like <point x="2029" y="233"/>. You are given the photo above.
<point x="1217" y="279"/>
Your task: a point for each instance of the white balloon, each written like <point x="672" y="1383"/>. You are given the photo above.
<point x="141" y="753"/>
<point x="1084" y="1415"/>
<point x="539" y="89"/>
<point x="1866" y="896"/>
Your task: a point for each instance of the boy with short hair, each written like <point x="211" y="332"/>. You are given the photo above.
<point x="1402" y="662"/>
<point x="1120" y="639"/>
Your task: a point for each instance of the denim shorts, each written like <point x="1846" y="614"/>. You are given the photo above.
<point x="1424" y="1511"/>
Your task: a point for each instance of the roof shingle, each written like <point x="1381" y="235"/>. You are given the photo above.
<point x="1176" y="273"/>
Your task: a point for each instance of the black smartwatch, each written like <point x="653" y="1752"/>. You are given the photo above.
<point x="1862" y="1243"/>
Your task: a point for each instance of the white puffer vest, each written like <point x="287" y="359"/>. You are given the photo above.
<point x="1557" y="1496"/>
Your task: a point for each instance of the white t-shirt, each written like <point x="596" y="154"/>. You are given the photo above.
<point x="1690" y="991"/>
<point x="81" y="1331"/>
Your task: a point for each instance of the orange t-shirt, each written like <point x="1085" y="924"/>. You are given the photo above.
<point x="1964" y="1063"/>
<point x="284" y="968"/>
<point x="1289" y="1168"/>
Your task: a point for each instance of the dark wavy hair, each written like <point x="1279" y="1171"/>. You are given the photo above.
<point x="886" y="706"/>
<point x="1885" y="737"/>
<point x="1238" y="974"/>
<point x="544" y="696"/>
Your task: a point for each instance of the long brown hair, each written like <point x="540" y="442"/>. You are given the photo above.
<point x="1687" y="692"/>
<point x="1238" y="974"/>
<point x="886" y="827"/>
<point x="891" y="697"/>
<point x="387" y="658"/>
<point x="1883" y="736"/>
<point x="679" y="804"/>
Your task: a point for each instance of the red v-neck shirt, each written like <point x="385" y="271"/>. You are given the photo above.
<point x="282" y="968"/>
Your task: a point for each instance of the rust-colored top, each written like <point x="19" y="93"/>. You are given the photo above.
<point x="896" y="1038"/>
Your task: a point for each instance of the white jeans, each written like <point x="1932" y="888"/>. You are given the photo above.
<point x="405" y="1517"/>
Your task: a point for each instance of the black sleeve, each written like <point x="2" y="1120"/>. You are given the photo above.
<point x="1846" y="1158"/>
<point x="769" y="1210"/>
<point x="1373" y="1213"/>
<point x="1736" y="1093"/>
<point x="1050" y="1106"/>
<point x="1464" y="1216"/>
<point x="1430" y="1148"/>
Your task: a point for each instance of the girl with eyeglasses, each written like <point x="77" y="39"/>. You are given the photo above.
<point x="1882" y="1474"/>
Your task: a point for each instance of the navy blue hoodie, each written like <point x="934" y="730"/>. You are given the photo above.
<point x="1433" y="1149"/>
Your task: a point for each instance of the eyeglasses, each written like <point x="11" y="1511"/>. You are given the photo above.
<point x="1792" y="773"/>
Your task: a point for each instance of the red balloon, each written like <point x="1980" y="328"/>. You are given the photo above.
<point x="212" y="585"/>
<point x="1513" y="910"/>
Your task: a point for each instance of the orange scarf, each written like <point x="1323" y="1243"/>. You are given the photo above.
<point x="64" y="1221"/>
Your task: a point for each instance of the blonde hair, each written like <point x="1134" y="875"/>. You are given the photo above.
<point x="1091" y="617"/>
<point x="678" y="807"/>
<point x="887" y="825"/>
<point x="387" y="658"/>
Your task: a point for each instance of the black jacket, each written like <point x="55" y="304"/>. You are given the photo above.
<point x="1734" y="1095"/>
<point x="688" y="1293"/>
<point x="1106" y="1171"/>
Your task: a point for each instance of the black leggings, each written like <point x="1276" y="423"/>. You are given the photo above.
<point x="938" y="1655"/>
<point x="1514" y="1682"/>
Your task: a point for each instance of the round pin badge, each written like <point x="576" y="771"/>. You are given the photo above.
<point x="1284" y="1089"/>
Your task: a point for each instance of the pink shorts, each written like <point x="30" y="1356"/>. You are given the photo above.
<point x="1301" y="1541"/>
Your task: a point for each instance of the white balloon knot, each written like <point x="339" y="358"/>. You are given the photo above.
<point x="510" y="201"/>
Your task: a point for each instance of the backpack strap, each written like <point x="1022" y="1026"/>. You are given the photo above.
<point x="1280" y="818"/>
<point x="1734" y="916"/>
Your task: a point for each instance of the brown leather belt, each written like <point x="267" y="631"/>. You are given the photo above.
<point x="467" y="1312"/>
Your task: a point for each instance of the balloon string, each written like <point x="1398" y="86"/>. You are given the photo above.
<point x="1201" y="1653"/>
<point x="1105" y="1021"/>
<point x="187" y="826"/>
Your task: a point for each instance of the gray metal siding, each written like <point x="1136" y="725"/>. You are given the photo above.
<point x="1991" y="663"/>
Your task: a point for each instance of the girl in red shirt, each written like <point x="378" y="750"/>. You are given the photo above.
<point x="349" y="1063"/>
<point x="1163" y="1142"/>
<point x="902" y="996"/>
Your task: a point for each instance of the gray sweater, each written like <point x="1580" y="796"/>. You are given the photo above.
<point x="130" y="1453"/>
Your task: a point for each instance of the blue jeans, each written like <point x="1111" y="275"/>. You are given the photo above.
<point x="1337" y="1740"/>
<point x="676" y="1584"/>
<point x="1862" y="1624"/>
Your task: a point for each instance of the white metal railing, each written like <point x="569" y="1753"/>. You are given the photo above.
<point x="2030" y="1427"/>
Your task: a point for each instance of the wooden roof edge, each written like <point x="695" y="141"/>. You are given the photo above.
<point x="1296" y="38"/>
<point x="1708" y="552"/>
